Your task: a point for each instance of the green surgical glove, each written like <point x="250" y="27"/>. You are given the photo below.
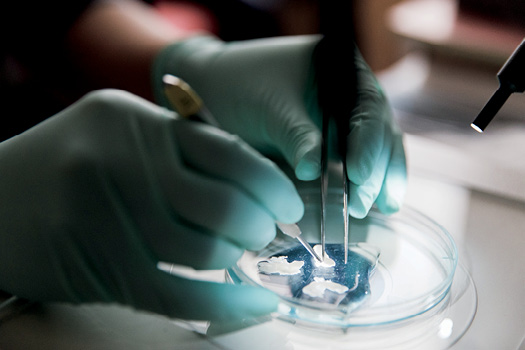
<point x="94" y="197"/>
<point x="264" y="91"/>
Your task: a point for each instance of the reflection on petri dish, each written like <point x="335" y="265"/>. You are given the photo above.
<point x="405" y="262"/>
<point x="294" y="273"/>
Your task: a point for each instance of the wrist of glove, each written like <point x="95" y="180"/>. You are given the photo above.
<point x="265" y="91"/>
<point x="97" y="195"/>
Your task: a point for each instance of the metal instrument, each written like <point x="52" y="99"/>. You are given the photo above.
<point x="294" y="231"/>
<point x="337" y="83"/>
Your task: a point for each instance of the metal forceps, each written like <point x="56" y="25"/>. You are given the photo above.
<point x="334" y="64"/>
<point x="324" y="187"/>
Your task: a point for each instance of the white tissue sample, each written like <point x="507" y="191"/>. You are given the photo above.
<point x="327" y="261"/>
<point x="317" y="288"/>
<point x="279" y="264"/>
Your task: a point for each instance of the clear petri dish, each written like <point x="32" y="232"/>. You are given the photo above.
<point x="411" y="265"/>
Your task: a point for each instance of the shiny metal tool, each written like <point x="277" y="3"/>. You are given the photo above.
<point x="511" y="79"/>
<point x="336" y="76"/>
<point x="185" y="100"/>
<point x="325" y="159"/>
<point x="293" y="230"/>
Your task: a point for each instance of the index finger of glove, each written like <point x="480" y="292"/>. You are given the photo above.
<point x="370" y="127"/>
<point x="394" y="187"/>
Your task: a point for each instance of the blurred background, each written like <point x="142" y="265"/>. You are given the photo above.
<point x="471" y="38"/>
<point x="382" y="38"/>
<point x="476" y="34"/>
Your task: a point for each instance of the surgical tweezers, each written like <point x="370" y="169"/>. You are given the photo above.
<point x="324" y="187"/>
<point x="335" y="64"/>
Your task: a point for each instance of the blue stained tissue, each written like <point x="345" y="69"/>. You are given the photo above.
<point x="294" y="273"/>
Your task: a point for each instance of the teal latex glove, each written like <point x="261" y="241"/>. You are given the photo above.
<point x="264" y="91"/>
<point x="95" y="196"/>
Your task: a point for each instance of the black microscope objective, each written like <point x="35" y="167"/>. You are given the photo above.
<point x="511" y="79"/>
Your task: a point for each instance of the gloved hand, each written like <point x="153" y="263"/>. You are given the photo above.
<point x="94" y="197"/>
<point x="264" y="91"/>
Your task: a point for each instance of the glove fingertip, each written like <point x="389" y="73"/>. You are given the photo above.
<point x="392" y="194"/>
<point x="256" y="302"/>
<point x="202" y="299"/>
<point x="391" y="197"/>
<point x="360" y="203"/>
<point x="267" y="302"/>
<point x="358" y="212"/>
<point x="291" y="214"/>
<point x="388" y="205"/>
<point x="358" y="209"/>
<point x="358" y="173"/>
<point x="308" y="168"/>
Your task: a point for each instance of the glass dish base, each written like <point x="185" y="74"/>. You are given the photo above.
<point x="437" y="329"/>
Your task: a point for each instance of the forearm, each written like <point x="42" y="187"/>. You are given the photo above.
<point x="115" y="42"/>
